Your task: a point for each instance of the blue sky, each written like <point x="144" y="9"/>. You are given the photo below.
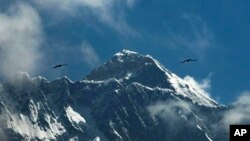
<point x="35" y="35"/>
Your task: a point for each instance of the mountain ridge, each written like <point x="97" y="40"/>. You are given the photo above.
<point x="119" y="107"/>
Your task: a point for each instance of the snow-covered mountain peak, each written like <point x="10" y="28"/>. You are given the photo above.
<point x="129" y="67"/>
<point x="125" y="52"/>
<point x="126" y="64"/>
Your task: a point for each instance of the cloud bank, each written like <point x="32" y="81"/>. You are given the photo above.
<point x="240" y="111"/>
<point x="20" y="39"/>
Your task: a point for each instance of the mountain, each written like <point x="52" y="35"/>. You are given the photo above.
<point x="131" y="97"/>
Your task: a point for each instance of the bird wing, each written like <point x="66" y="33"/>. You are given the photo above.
<point x="55" y="66"/>
<point x="192" y="59"/>
<point x="183" y="61"/>
<point x="60" y="65"/>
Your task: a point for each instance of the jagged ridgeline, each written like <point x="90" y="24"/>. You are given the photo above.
<point x="131" y="97"/>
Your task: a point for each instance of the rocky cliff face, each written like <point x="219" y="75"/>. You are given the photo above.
<point x="131" y="97"/>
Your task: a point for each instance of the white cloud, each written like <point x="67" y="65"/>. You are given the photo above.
<point x="107" y="11"/>
<point x="170" y="110"/>
<point x="89" y="55"/>
<point x="240" y="111"/>
<point x="202" y="87"/>
<point x="20" y="39"/>
<point x="69" y="5"/>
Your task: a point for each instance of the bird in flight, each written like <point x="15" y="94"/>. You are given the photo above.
<point x="188" y="60"/>
<point x="60" y="65"/>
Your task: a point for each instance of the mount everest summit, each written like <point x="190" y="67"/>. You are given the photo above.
<point x="131" y="97"/>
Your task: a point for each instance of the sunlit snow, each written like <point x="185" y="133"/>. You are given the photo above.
<point x="74" y="116"/>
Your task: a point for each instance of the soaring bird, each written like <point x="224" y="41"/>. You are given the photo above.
<point x="188" y="60"/>
<point x="60" y="65"/>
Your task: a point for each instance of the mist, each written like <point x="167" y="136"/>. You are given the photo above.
<point x="20" y="40"/>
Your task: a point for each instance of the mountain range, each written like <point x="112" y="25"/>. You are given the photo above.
<point x="131" y="97"/>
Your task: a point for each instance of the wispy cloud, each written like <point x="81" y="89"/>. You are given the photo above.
<point x="89" y="55"/>
<point x="168" y="110"/>
<point x="20" y="39"/>
<point x="109" y="12"/>
<point x="194" y="36"/>
<point x="202" y="87"/>
<point x="240" y="111"/>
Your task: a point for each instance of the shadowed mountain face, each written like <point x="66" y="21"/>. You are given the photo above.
<point x="131" y="97"/>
